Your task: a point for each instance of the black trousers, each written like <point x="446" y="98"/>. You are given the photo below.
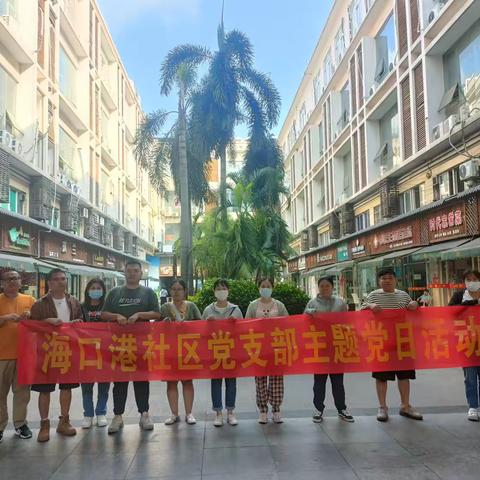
<point x="142" y="394"/>
<point x="338" y="390"/>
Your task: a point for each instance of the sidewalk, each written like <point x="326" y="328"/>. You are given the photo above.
<point x="444" y="446"/>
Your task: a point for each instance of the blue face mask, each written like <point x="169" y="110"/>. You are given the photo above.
<point x="95" y="294"/>
<point x="266" y="292"/>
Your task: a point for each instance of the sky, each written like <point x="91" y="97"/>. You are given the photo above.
<point x="283" y="32"/>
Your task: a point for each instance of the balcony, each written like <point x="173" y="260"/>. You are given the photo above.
<point x="11" y="40"/>
<point x="67" y="27"/>
<point x="69" y="113"/>
<point x="107" y="156"/>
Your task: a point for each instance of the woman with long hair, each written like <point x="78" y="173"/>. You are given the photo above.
<point x="180" y="310"/>
<point x="95" y="293"/>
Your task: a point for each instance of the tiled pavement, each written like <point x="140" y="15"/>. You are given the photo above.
<point x="444" y="446"/>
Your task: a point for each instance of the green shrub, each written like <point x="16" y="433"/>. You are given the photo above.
<point x="242" y="292"/>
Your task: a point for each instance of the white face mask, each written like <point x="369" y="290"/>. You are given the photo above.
<point x="266" y="292"/>
<point x="221" y="295"/>
<point x="473" y="286"/>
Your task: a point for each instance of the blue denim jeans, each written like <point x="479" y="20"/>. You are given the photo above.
<point x="230" y="393"/>
<point x="472" y="386"/>
<point x="102" y="398"/>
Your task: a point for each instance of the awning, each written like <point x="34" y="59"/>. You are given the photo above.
<point x="22" y="263"/>
<point x="389" y="256"/>
<point x="437" y="249"/>
<point x="339" y="267"/>
<point x="468" y="249"/>
<point x="87" y="270"/>
<point x="450" y="96"/>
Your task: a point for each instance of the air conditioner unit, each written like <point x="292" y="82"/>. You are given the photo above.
<point x="449" y="123"/>
<point x="464" y="113"/>
<point x="373" y="89"/>
<point x="84" y="212"/>
<point x="435" y="11"/>
<point x="6" y="138"/>
<point x="437" y="131"/>
<point x="390" y="66"/>
<point x="383" y="170"/>
<point x="102" y="221"/>
<point x="469" y="170"/>
<point x="16" y="146"/>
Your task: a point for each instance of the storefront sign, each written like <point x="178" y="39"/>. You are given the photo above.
<point x="447" y="224"/>
<point x="110" y="261"/>
<point x="342" y="252"/>
<point x="99" y="260"/>
<point x="53" y="254"/>
<point x="18" y="238"/>
<point x="396" y="237"/>
<point x="55" y="246"/>
<point x="358" y="248"/>
<point x="167" y="270"/>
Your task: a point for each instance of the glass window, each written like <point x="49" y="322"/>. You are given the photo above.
<point x="67" y="77"/>
<point x="66" y="153"/>
<point x="389" y="153"/>
<point x="9" y="8"/>
<point x="356" y="14"/>
<point x="317" y="87"/>
<point x="8" y="93"/>
<point x="327" y="69"/>
<point x="386" y="50"/>
<point x="339" y="44"/>
<point x="376" y="214"/>
<point x="345" y="115"/>
<point x="362" y="221"/>
<point x="302" y="117"/>
<point x="321" y="144"/>
<point x="16" y="202"/>
<point x="462" y="67"/>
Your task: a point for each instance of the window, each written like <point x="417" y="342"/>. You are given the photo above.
<point x="356" y="14"/>
<point x="323" y="239"/>
<point x="317" y="87"/>
<point x="388" y="155"/>
<point x="386" y="50"/>
<point x="345" y="115"/>
<point x="362" y="221"/>
<point x="321" y="144"/>
<point x="347" y="176"/>
<point x="302" y="120"/>
<point x="412" y="199"/>
<point x="9" y="8"/>
<point x="66" y="153"/>
<point x="376" y="215"/>
<point x="462" y="69"/>
<point x="54" y="219"/>
<point x="67" y="77"/>
<point x="16" y="201"/>
<point x="8" y="93"/>
<point x="340" y="44"/>
<point x="447" y="184"/>
<point x="327" y="69"/>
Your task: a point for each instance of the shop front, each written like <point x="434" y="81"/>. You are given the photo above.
<point x="314" y="266"/>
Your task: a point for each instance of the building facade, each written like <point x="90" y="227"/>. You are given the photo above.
<point x="71" y="191"/>
<point x="382" y="148"/>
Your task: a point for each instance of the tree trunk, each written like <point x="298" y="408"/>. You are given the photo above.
<point x="223" y="184"/>
<point x="185" y="206"/>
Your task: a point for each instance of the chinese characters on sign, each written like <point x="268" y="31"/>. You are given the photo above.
<point x="447" y="224"/>
<point x="323" y="343"/>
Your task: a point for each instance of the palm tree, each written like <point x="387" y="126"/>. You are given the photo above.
<point x="162" y="154"/>
<point x="231" y="93"/>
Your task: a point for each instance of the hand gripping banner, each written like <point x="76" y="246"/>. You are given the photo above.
<point x="363" y="341"/>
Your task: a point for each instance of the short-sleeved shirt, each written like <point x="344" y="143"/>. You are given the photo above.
<point x="387" y="300"/>
<point x="169" y="311"/>
<point x="128" y="301"/>
<point x="9" y="330"/>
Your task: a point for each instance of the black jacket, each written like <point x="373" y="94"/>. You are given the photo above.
<point x="457" y="299"/>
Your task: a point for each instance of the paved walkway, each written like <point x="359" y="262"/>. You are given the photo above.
<point x="444" y="446"/>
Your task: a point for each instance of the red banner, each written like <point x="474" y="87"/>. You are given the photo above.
<point x="324" y="343"/>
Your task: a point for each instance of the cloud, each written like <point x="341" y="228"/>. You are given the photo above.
<point x="119" y="13"/>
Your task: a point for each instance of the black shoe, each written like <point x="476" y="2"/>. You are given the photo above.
<point x="23" y="431"/>
<point x="317" y="417"/>
<point x="1" y="436"/>
<point x="345" y="416"/>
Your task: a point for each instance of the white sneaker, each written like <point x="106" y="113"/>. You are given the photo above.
<point x="146" y="422"/>
<point x="382" y="414"/>
<point x="116" y="425"/>
<point x="87" y="422"/>
<point x="263" y="418"/>
<point x="190" y="419"/>
<point x="276" y="417"/>
<point x="102" y="421"/>
<point x="472" y="415"/>
<point x="232" y="419"/>
<point x="172" y="419"/>
<point x="218" y="420"/>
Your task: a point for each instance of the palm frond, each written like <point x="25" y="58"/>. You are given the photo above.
<point x="238" y="47"/>
<point x="267" y="93"/>
<point x="189" y="55"/>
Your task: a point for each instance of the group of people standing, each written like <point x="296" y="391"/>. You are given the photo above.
<point x="134" y="302"/>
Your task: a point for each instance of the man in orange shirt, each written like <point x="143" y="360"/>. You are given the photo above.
<point x="14" y="306"/>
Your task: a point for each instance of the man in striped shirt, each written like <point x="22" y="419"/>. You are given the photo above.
<point x="388" y="297"/>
